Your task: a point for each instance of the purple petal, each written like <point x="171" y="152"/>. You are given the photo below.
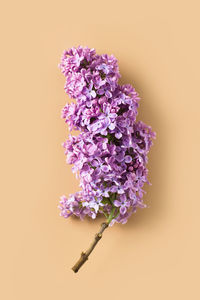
<point x="120" y="157"/>
<point x="91" y="149"/>
<point x="118" y="135"/>
<point x="112" y="126"/>
<point x="123" y="210"/>
<point x="120" y="191"/>
<point x="132" y="195"/>
<point x="117" y="203"/>
<point x="95" y="163"/>
<point x="128" y="159"/>
<point x="113" y="189"/>
<point x="108" y="94"/>
<point x="123" y="197"/>
<point x="105" y="168"/>
<point x="93" y="94"/>
<point x="112" y="115"/>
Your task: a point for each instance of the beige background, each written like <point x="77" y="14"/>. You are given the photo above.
<point x="156" y="254"/>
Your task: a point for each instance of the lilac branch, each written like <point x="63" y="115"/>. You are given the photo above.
<point x="98" y="236"/>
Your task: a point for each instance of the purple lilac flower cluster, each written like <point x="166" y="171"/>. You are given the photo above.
<point x="109" y="155"/>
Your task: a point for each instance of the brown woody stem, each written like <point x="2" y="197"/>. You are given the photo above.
<point x="85" y="255"/>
